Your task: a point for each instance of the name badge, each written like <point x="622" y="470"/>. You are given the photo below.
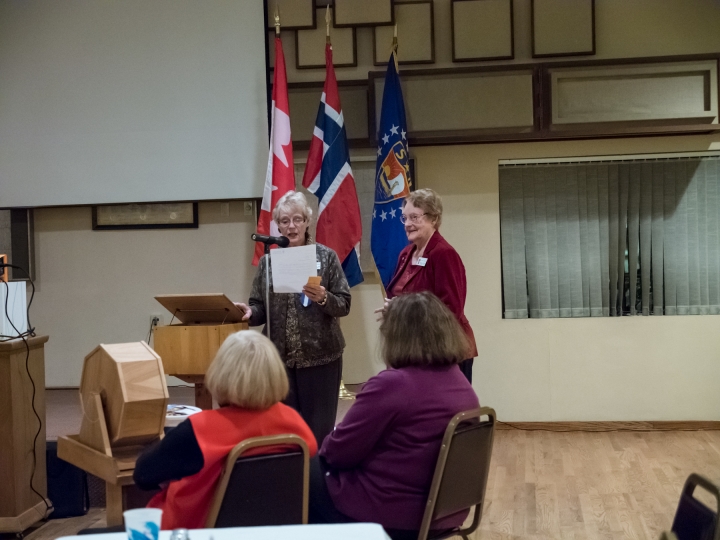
<point x="422" y="261"/>
<point x="318" y="265"/>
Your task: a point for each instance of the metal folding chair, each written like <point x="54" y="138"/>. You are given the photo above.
<point x="266" y="489"/>
<point x="461" y="472"/>
<point x="693" y="520"/>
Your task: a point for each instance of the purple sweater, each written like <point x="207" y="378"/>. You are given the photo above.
<point x="382" y="456"/>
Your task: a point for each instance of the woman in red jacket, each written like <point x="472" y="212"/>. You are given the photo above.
<point x="248" y="380"/>
<point x="429" y="263"/>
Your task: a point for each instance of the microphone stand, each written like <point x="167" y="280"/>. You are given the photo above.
<point x="267" y="290"/>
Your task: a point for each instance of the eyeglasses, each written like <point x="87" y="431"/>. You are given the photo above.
<point x="297" y="220"/>
<point x="412" y="218"/>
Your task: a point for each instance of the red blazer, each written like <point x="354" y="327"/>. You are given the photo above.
<point x="442" y="275"/>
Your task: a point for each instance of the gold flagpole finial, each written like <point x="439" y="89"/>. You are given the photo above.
<point x="327" y="24"/>
<point x="277" y="21"/>
<point x="395" y="48"/>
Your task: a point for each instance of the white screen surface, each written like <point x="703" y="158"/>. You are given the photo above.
<point x="110" y="101"/>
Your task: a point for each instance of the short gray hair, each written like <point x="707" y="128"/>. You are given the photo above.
<point x="247" y="372"/>
<point x="292" y="200"/>
<point x="429" y="202"/>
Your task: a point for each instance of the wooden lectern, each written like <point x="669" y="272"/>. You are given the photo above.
<point x="20" y="506"/>
<point x="187" y="348"/>
<point x="124" y="400"/>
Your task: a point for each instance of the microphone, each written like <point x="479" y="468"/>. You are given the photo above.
<point x="282" y="241"/>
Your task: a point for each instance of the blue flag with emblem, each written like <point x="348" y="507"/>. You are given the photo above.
<point x="392" y="177"/>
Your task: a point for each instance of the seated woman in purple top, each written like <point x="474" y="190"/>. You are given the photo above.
<point x="378" y="464"/>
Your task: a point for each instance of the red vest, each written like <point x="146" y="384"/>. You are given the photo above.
<point x="186" y="502"/>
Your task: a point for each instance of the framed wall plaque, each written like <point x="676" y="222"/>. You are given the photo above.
<point x="416" y="34"/>
<point x="562" y="27"/>
<point x="145" y="216"/>
<point x="363" y="13"/>
<point x="310" y="46"/>
<point x="294" y="14"/>
<point x="482" y="30"/>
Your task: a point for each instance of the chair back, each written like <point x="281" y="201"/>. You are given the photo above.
<point x="265" y="489"/>
<point x="693" y="520"/>
<point x="462" y="469"/>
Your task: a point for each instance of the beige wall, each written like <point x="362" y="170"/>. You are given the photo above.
<point x="628" y="368"/>
<point x="98" y="286"/>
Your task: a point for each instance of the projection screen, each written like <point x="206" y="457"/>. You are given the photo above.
<point x="112" y="101"/>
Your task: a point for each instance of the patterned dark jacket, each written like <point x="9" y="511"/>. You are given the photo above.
<point x="320" y="335"/>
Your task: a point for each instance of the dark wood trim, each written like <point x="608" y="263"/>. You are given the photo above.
<point x="560" y="55"/>
<point x="321" y="84"/>
<point x="318" y="66"/>
<point x="542" y="129"/>
<point x="501" y="135"/>
<point x="459" y="70"/>
<point x="352" y="143"/>
<point x="629" y="61"/>
<point x="689" y="425"/>
<point x="432" y="38"/>
<point x="271" y="27"/>
<point x="482" y="58"/>
<point x="380" y="23"/>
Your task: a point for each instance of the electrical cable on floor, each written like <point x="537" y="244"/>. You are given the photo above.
<point x="30" y="332"/>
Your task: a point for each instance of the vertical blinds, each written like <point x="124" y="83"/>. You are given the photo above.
<point x="596" y="239"/>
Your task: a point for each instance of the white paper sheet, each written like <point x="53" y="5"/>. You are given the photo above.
<point x="291" y="268"/>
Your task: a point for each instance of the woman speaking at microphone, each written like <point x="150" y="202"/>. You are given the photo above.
<point x="430" y="263"/>
<point x="304" y="327"/>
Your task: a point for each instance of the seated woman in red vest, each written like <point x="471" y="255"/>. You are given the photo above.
<point x="378" y="464"/>
<point x="248" y="380"/>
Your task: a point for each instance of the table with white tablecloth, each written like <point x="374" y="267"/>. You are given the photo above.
<point x="345" y="531"/>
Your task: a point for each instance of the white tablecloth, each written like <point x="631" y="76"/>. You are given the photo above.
<point x="350" y="531"/>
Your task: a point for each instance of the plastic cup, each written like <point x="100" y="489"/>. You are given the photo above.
<point x="143" y="523"/>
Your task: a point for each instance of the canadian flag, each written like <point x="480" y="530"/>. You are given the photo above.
<point x="281" y="170"/>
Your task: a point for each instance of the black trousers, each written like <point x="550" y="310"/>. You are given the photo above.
<point x="314" y="394"/>
<point x="322" y="508"/>
<point x="466" y="367"/>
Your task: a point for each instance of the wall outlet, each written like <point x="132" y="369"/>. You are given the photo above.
<point x="224" y="209"/>
<point x="248" y="208"/>
<point x="155" y="323"/>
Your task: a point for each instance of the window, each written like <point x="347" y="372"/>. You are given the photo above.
<point x="610" y="238"/>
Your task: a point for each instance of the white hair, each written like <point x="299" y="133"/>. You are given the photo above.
<point x="292" y="200"/>
<point x="247" y="372"/>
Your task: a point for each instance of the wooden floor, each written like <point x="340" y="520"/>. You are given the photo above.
<point x="580" y="485"/>
<point x="613" y="485"/>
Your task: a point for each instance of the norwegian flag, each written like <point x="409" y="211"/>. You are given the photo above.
<point x="328" y="175"/>
<point x="281" y="171"/>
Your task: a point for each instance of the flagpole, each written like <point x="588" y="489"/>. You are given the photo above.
<point x="343" y="393"/>
<point x="395" y="48"/>
<point x="267" y="246"/>
<point x="327" y="24"/>
<point x="383" y="292"/>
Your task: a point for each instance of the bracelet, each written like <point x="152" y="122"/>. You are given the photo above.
<point x="324" y="301"/>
